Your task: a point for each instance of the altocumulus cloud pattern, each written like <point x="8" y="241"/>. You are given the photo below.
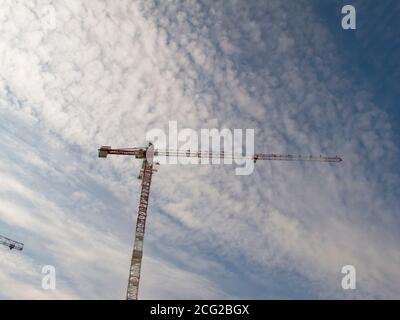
<point x="106" y="72"/>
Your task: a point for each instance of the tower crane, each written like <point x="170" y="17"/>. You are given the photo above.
<point x="147" y="154"/>
<point x="11" y="243"/>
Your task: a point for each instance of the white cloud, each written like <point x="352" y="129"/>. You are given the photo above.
<point x="169" y="282"/>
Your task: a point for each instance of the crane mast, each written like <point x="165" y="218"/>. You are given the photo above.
<point x="148" y="154"/>
<point x="136" y="261"/>
<point x="11" y="244"/>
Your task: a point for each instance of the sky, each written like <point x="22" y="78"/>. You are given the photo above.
<point x="76" y="75"/>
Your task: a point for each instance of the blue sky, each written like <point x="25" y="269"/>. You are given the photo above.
<point x="106" y="73"/>
<point x="371" y="50"/>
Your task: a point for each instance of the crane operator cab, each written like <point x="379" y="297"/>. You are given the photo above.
<point x="149" y="158"/>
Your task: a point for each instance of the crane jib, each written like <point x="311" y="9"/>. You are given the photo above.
<point x="142" y="153"/>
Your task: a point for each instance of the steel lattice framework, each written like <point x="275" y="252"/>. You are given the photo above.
<point x="134" y="273"/>
<point x="11" y="243"/>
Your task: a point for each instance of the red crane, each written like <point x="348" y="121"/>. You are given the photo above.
<point x="148" y="154"/>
